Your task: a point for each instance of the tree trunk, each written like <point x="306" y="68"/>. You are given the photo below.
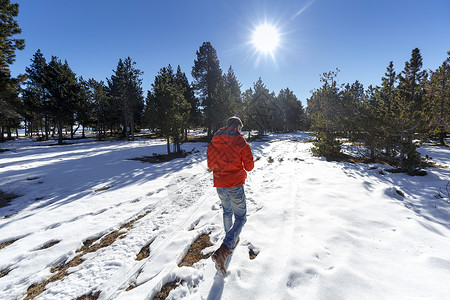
<point x="46" y="127"/>
<point x="132" y="126"/>
<point x="60" y="131"/>
<point x="168" y="145"/>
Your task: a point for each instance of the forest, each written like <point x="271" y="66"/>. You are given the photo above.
<point x="389" y="120"/>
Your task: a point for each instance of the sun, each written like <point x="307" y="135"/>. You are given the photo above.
<point x="266" y="38"/>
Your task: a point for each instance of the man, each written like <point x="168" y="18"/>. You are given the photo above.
<point x="229" y="157"/>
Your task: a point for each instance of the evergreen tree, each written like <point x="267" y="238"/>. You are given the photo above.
<point x="85" y="113"/>
<point x="9" y="87"/>
<point x="410" y="108"/>
<point x="8" y="29"/>
<point x="100" y="100"/>
<point x="352" y="99"/>
<point x="194" y="114"/>
<point x="439" y="95"/>
<point x="167" y="106"/>
<point x="62" y="88"/>
<point x="293" y="113"/>
<point x="10" y="105"/>
<point x="324" y="110"/>
<point x="207" y="78"/>
<point x="259" y="107"/>
<point x="126" y="91"/>
<point x="371" y="123"/>
<point x="234" y="95"/>
<point x="35" y="100"/>
<point x="386" y="96"/>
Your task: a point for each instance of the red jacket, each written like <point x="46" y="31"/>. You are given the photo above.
<point x="229" y="157"/>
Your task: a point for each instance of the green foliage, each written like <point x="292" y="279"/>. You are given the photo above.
<point x="326" y="145"/>
<point x="207" y="76"/>
<point x="8" y="29"/>
<point x="325" y="110"/>
<point x="125" y="90"/>
<point x="62" y="89"/>
<point x="9" y="87"/>
<point x="168" y="107"/>
<point x="438" y="92"/>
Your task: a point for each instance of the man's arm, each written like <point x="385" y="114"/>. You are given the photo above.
<point x="247" y="158"/>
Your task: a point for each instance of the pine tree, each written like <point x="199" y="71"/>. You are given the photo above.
<point x="234" y="93"/>
<point x="126" y="91"/>
<point x="410" y="107"/>
<point x="9" y="87"/>
<point x="386" y="96"/>
<point x="35" y="100"/>
<point x="85" y="112"/>
<point x="207" y="78"/>
<point x="439" y="94"/>
<point x="167" y="106"/>
<point x="194" y="114"/>
<point x="8" y="29"/>
<point x="99" y="96"/>
<point x="293" y="113"/>
<point x="259" y="107"/>
<point x="325" y="112"/>
<point x="62" y="88"/>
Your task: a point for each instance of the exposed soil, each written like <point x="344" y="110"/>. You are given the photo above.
<point x="48" y="245"/>
<point x="91" y="296"/>
<point x="165" y="290"/>
<point x="4" y="272"/>
<point x="145" y="252"/>
<point x="194" y="253"/>
<point x="7" y="243"/>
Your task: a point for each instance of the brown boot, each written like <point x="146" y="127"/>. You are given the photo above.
<point x="220" y="257"/>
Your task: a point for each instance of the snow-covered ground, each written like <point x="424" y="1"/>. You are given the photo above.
<point x="322" y="230"/>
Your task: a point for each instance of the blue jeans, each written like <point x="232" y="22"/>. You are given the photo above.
<point x="233" y="202"/>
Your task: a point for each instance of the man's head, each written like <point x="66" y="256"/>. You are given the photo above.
<point x="235" y="123"/>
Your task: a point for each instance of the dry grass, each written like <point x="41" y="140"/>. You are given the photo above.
<point x="6" y="244"/>
<point x="194" y="253"/>
<point x="4" y="272"/>
<point x="89" y="246"/>
<point x="144" y="253"/>
<point x="165" y="290"/>
<point x="48" y="245"/>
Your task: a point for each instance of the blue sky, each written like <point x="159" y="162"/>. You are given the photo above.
<point x="357" y="36"/>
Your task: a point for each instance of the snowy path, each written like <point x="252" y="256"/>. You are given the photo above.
<point x="321" y="230"/>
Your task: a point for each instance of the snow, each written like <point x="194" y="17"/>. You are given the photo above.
<point x="322" y="230"/>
